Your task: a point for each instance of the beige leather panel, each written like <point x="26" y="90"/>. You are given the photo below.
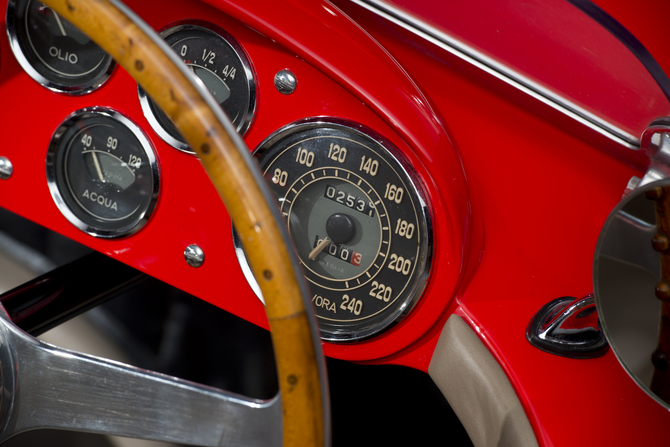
<point x="478" y="390"/>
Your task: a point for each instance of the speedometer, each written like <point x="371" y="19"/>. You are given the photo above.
<point x="358" y="220"/>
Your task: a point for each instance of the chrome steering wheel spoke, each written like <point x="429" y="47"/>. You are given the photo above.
<point x="44" y="386"/>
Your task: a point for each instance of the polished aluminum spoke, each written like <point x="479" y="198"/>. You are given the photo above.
<point x="49" y="387"/>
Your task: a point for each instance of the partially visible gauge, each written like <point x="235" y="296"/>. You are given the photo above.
<point x="53" y="51"/>
<point x="358" y="219"/>
<point x="221" y="64"/>
<point x="102" y="173"/>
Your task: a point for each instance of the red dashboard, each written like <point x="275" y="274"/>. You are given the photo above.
<point x="188" y="210"/>
<point x="517" y="193"/>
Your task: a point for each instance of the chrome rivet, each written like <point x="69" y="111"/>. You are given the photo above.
<point x="6" y="168"/>
<point x="194" y="256"/>
<point x="286" y="82"/>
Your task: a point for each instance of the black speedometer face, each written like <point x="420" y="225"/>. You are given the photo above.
<point x="53" y="51"/>
<point x="358" y="221"/>
<point x="102" y="173"/>
<point x="221" y="64"/>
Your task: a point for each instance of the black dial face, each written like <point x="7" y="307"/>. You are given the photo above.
<point x="358" y="222"/>
<point x="102" y="173"/>
<point x="221" y="64"/>
<point x="53" y="51"/>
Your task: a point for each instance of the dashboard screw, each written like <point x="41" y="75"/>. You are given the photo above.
<point x="194" y="256"/>
<point x="6" y="168"/>
<point x="286" y="82"/>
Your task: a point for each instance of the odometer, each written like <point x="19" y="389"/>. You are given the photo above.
<point x="358" y="220"/>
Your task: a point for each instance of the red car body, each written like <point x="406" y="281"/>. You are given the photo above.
<point x="518" y="188"/>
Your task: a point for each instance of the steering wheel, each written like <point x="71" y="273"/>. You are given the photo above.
<point x="49" y="387"/>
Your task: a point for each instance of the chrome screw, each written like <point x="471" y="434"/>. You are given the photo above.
<point x="6" y="168"/>
<point x="286" y="82"/>
<point x="194" y="256"/>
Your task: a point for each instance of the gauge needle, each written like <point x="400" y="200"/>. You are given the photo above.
<point x="60" y="24"/>
<point x="318" y="249"/>
<point x="97" y="167"/>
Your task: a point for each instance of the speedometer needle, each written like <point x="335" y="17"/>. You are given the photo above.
<point x="318" y="249"/>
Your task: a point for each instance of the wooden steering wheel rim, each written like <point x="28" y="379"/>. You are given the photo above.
<point x="240" y="185"/>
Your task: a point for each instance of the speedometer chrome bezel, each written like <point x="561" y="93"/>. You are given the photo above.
<point x="242" y="57"/>
<point x="357" y="330"/>
<point x="81" y="88"/>
<point x="52" y="171"/>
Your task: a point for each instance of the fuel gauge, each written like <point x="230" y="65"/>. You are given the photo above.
<point x="221" y="64"/>
<point x="53" y="51"/>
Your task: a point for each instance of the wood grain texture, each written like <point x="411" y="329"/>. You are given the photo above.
<point x="660" y="383"/>
<point x="266" y="251"/>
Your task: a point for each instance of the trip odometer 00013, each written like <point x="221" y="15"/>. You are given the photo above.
<point x="358" y="219"/>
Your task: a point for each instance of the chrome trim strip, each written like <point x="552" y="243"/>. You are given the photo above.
<point x="500" y="71"/>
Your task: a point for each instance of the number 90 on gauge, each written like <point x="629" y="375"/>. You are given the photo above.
<point x="102" y="173"/>
<point x="359" y="222"/>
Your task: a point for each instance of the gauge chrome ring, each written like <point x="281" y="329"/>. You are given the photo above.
<point x="14" y="42"/>
<point x="240" y="53"/>
<point x="388" y="317"/>
<point x="51" y="170"/>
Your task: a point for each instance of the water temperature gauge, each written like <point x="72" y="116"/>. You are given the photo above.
<point x="221" y="64"/>
<point x="102" y="173"/>
<point x="53" y="51"/>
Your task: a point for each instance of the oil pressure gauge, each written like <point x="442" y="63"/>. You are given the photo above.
<point x="53" y="51"/>
<point x="221" y="64"/>
<point x="358" y="220"/>
<point x="102" y="173"/>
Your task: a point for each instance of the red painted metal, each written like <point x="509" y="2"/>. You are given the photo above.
<point x="520" y="234"/>
<point x="587" y="64"/>
<point x="641" y="18"/>
<point x="188" y="211"/>
<point x="539" y="196"/>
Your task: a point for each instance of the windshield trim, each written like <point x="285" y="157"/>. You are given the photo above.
<point x="500" y="71"/>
